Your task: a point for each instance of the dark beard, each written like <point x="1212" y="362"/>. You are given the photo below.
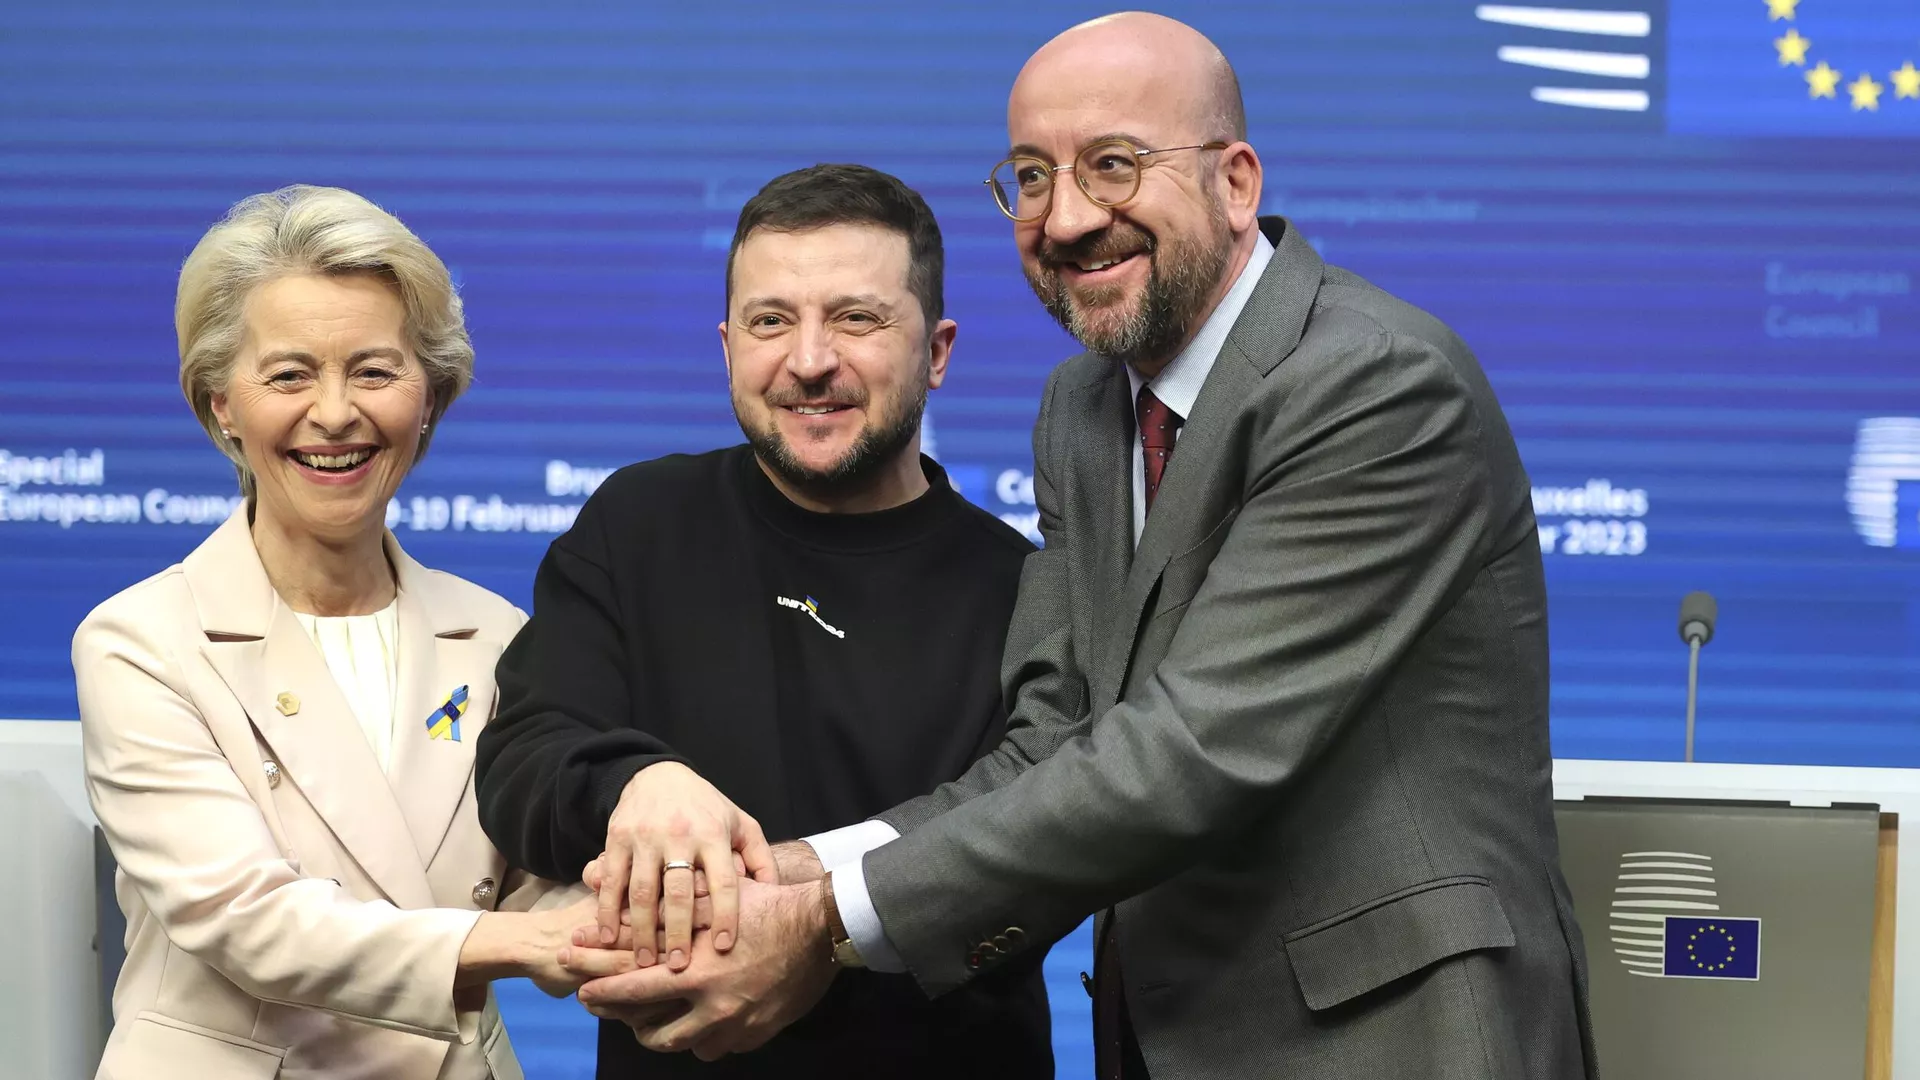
<point x="1181" y="277"/>
<point x="878" y="446"/>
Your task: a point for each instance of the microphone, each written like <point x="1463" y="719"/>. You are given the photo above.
<point x="1698" y="613"/>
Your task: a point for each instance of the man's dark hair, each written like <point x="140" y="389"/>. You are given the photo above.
<point x="822" y="195"/>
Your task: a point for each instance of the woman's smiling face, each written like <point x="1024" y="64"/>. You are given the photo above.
<point x="327" y="401"/>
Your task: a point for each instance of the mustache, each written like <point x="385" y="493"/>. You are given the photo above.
<point x="802" y="394"/>
<point x="1110" y="242"/>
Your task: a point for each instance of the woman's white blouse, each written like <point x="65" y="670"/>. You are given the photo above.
<point x="363" y="652"/>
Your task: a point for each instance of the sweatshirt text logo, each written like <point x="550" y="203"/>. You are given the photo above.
<point x="812" y="608"/>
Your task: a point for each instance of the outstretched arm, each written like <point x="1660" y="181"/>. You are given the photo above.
<point x="563" y="775"/>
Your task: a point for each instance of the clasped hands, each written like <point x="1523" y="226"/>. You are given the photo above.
<point x="741" y="938"/>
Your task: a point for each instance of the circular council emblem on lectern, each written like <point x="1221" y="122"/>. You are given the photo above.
<point x="1652" y="886"/>
<point x="1665" y="922"/>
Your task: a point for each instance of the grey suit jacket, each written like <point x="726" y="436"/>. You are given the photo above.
<point x="1298" y="736"/>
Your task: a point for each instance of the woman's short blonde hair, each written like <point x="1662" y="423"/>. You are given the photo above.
<point x="310" y="230"/>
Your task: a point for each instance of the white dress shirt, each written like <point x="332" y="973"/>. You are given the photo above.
<point x="1178" y="386"/>
<point x="363" y="653"/>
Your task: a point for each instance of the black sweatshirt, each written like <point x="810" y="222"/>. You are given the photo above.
<point x="816" y="668"/>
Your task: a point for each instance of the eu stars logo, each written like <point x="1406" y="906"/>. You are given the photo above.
<point x="1714" y="948"/>
<point x="1793" y="68"/>
<point x="1824" y="80"/>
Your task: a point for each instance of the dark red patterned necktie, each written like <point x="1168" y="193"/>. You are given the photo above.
<point x="1115" y="1053"/>
<point x="1159" y="428"/>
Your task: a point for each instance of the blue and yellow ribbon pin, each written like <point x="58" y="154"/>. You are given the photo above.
<point x="445" y="721"/>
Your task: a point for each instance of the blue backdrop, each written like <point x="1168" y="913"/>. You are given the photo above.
<point x="1681" y="236"/>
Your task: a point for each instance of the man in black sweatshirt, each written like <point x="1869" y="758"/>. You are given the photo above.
<point x="810" y="623"/>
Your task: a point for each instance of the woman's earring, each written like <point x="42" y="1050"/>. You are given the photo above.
<point x="424" y="428"/>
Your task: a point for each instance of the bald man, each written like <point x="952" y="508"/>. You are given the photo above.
<point x="1279" y="676"/>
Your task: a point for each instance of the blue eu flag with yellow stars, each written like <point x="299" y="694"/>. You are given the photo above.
<point x="1713" y="948"/>
<point x="1794" y="68"/>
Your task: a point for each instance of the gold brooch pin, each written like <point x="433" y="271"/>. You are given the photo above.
<point x="287" y="703"/>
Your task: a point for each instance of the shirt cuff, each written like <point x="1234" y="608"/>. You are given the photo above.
<point x="837" y="847"/>
<point x="861" y="920"/>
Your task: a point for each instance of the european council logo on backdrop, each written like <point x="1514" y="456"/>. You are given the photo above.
<point x="1787" y="68"/>
<point x="1883" y="481"/>
<point x="1665" y="922"/>
<point x="1587" y="59"/>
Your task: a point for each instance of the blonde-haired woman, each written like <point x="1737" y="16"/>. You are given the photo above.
<point x="279" y="730"/>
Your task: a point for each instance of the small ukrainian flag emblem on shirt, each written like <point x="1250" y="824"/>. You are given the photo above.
<point x="445" y="721"/>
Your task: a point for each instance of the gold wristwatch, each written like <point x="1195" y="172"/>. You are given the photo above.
<point x="845" y="952"/>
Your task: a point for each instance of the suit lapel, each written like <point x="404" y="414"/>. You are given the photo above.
<point x="1179" y="517"/>
<point x="266" y="659"/>
<point x="1100" y="435"/>
<point x="438" y="656"/>
<point x="321" y="748"/>
<point x="1187" y="504"/>
<point x="1275" y="318"/>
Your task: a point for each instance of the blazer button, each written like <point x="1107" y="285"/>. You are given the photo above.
<point x="973" y="960"/>
<point x="483" y="892"/>
<point x="273" y="772"/>
<point x="1086" y="983"/>
<point x="1016" y="935"/>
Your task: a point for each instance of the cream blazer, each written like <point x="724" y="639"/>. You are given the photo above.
<point x="291" y="911"/>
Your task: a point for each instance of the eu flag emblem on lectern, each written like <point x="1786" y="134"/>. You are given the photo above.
<point x="1714" y="948"/>
<point x="445" y="721"/>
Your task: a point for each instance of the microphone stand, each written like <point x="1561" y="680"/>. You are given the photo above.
<point x="1693" y="687"/>
<point x="1698" y="612"/>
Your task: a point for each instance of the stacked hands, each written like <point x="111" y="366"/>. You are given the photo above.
<point x="705" y="937"/>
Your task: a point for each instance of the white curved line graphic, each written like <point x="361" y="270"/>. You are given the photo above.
<point x="1667" y="877"/>
<point x="1579" y="61"/>
<point x="1575" y="98"/>
<point x="1569" y="20"/>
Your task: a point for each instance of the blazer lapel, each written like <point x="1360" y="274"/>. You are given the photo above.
<point x="266" y="659"/>
<point x="1271" y="324"/>
<point x="1189" y="500"/>
<point x="1100" y="510"/>
<point x="1185" y="509"/>
<point x="439" y="657"/>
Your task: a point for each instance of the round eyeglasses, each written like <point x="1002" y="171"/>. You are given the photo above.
<point x="1107" y="172"/>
